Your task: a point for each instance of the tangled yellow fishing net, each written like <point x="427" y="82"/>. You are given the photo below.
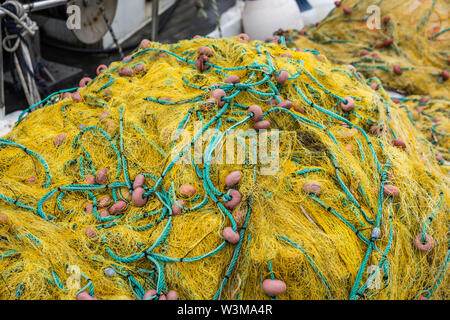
<point x="406" y="44"/>
<point x="401" y="45"/>
<point x="349" y="202"/>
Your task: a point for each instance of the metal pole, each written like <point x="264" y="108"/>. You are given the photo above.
<point x="40" y="5"/>
<point x="2" y="91"/>
<point x="155" y="19"/>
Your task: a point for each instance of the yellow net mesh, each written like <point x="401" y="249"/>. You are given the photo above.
<point x="376" y="36"/>
<point x="328" y="222"/>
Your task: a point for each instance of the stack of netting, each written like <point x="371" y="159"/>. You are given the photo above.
<point x="405" y="45"/>
<point x="115" y="191"/>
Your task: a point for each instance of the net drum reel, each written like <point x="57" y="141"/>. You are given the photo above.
<point x="60" y="24"/>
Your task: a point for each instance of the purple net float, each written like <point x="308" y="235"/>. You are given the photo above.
<point x="218" y="94"/>
<point x="261" y="125"/>
<point x="233" y="79"/>
<point x="104" y="202"/>
<point x="364" y="53"/>
<point x="31" y="180"/>
<point x="350" y="68"/>
<point x="91" y="232"/>
<point x="85" y="296"/>
<point x="139" y="181"/>
<point x="286" y="55"/>
<point x="118" y="207"/>
<point x="137" y="198"/>
<point x="59" y="140"/>
<point x="298" y="108"/>
<point x="424" y="247"/>
<point x="139" y="68"/>
<point x="84" y="81"/>
<point x="391" y="191"/>
<point x="66" y="95"/>
<point x="233" y="179"/>
<point x="231" y="236"/>
<point x="89" y="179"/>
<point x="243" y="37"/>
<point x="150" y="293"/>
<point x="347" y="10"/>
<point x="172" y="295"/>
<point x="312" y="188"/>
<point x="145" y="44"/>
<point x="282" y="77"/>
<point x="399" y="143"/>
<point x="275" y="40"/>
<point x="209" y="104"/>
<point x="126" y="72"/>
<point x="89" y="208"/>
<point x="177" y="208"/>
<point x="101" y="68"/>
<point x="200" y="63"/>
<point x="397" y="70"/>
<point x="337" y="3"/>
<point x="348" y="105"/>
<point x="374" y="85"/>
<point x="274" y="287"/>
<point x="386" y="19"/>
<point x="445" y="75"/>
<point x="102" y="176"/>
<point x="274" y="102"/>
<point x="256" y="112"/>
<point x="350" y="133"/>
<point x="388" y="42"/>
<point x="103" y="213"/>
<point x="439" y="157"/>
<point x="236" y="198"/>
<point x="285" y="104"/>
<point x="187" y="191"/>
<point x="205" y="51"/>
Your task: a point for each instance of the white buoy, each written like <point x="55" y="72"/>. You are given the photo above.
<point x="261" y="18"/>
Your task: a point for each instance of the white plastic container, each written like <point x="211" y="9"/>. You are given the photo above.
<point x="230" y="21"/>
<point x="322" y="8"/>
<point x="261" y="18"/>
<point x="319" y="10"/>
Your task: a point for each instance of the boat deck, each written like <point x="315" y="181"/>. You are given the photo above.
<point x="181" y="23"/>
